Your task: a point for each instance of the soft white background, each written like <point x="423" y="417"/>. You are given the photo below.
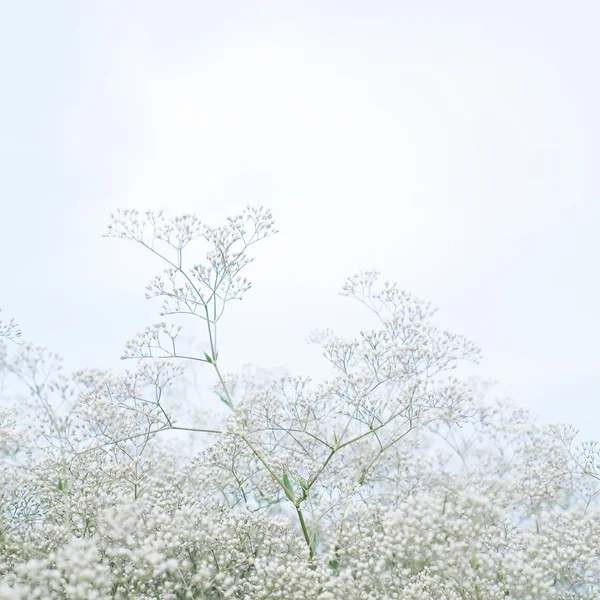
<point x="452" y="145"/>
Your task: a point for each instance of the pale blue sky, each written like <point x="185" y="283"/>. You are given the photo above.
<point x="454" y="146"/>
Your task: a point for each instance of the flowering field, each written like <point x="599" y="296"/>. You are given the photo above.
<point x="393" y="479"/>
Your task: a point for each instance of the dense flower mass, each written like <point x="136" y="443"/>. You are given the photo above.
<point x="393" y="479"/>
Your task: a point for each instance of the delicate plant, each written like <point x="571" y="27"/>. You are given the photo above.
<point x="390" y="479"/>
<point x="9" y="331"/>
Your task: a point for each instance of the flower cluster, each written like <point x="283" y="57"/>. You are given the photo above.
<point x="393" y="479"/>
<point x="10" y="330"/>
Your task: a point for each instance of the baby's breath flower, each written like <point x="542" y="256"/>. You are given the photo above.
<point x="392" y="479"/>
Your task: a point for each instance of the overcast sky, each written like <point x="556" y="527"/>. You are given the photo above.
<point x="451" y="145"/>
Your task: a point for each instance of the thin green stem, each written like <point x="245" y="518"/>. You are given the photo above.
<point x="321" y="469"/>
<point x="227" y="394"/>
<point x="268" y="468"/>
<point x="305" y="532"/>
<point x="146" y="433"/>
<point x="287" y="493"/>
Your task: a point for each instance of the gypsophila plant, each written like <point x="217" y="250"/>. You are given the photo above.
<point x="391" y="479"/>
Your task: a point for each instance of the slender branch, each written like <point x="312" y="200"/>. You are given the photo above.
<point x="268" y="468"/>
<point x="227" y="394"/>
<point x="305" y="533"/>
<point x="137" y="435"/>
